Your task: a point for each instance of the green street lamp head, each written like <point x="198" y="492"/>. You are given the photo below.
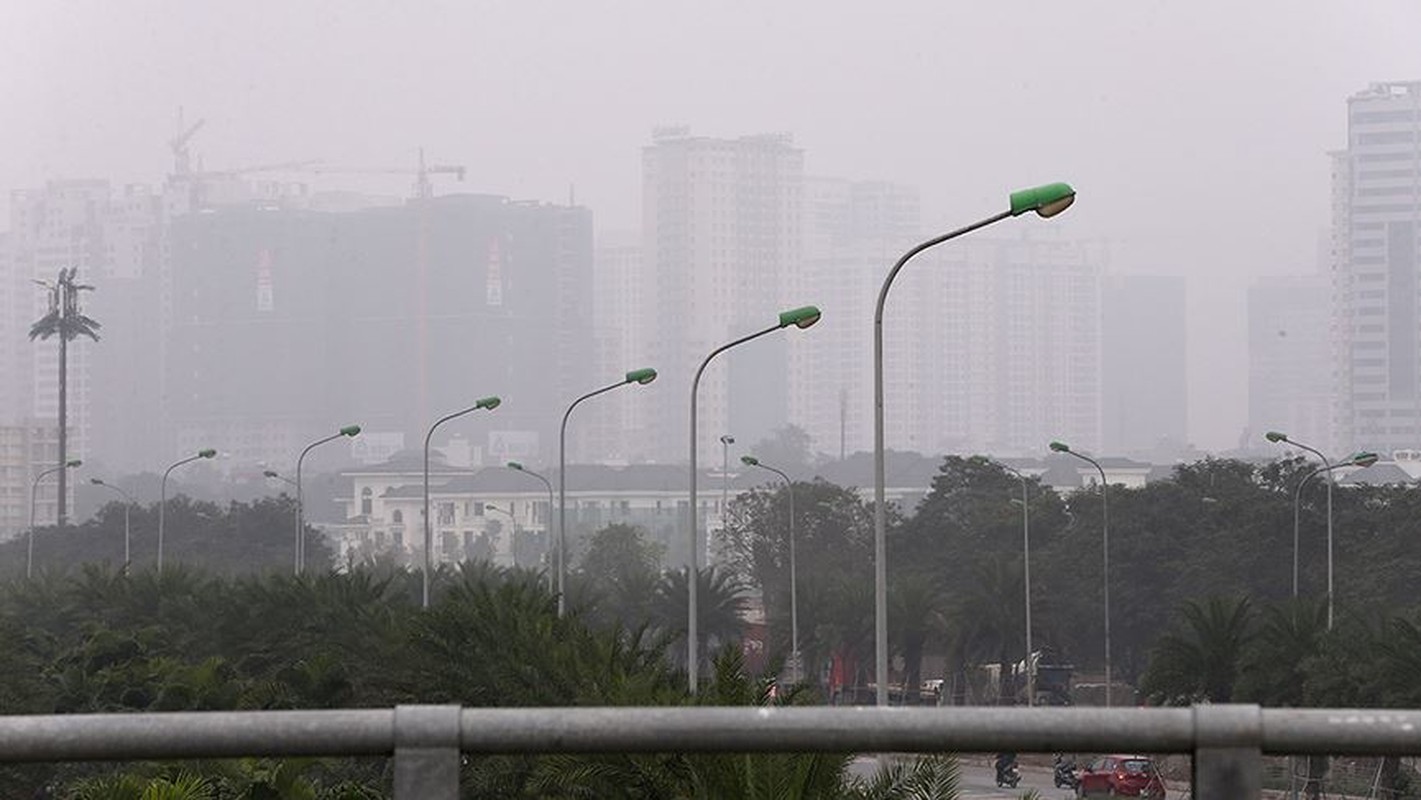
<point x="73" y="463"/>
<point x="750" y="461"/>
<point x="98" y="481"/>
<point x="800" y="317"/>
<point x="350" y="430"/>
<point x="1047" y="201"/>
<point x="270" y="473"/>
<point x="1365" y="459"/>
<point x="207" y="453"/>
<point x="1276" y="436"/>
<point x="514" y="465"/>
<point x="641" y="376"/>
<point x="1060" y="447"/>
<point x="489" y="403"/>
<point x="491" y="507"/>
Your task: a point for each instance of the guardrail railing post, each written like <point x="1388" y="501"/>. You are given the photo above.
<point x="1228" y="752"/>
<point x="426" y="752"/>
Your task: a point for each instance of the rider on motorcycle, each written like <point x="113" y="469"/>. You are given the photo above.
<point x="1004" y="763"/>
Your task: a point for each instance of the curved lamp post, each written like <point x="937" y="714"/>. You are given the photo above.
<point x="1356" y="460"/>
<point x="1026" y="578"/>
<point x="1062" y="447"/>
<point x="1278" y="437"/>
<point x="350" y="431"/>
<point x="639" y="377"/>
<point x="1046" y="201"/>
<point x="751" y="461"/>
<point x="489" y="403"/>
<point x="206" y="452"/>
<point x="271" y="473"/>
<point x="129" y="502"/>
<point x="34" y="490"/>
<point x="548" y="547"/>
<point x="802" y="317"/>
<point x="513" y="536"/>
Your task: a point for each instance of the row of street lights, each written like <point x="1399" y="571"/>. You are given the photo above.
<point x="1364" y="459"/>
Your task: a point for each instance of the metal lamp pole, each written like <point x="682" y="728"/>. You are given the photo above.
<point x="1062" y="447"/>
<point x="489" y="403"/>
<point x="1278" y="437"/>
<point x="1047" y="201"/>
<point x="1026" y="577"/>
<point x="640" y="377"/>
<point x="512" y="537"/>
<point x="1356" y="460"/>
<point x="347" y="431"/>
<point x="802" y="317"/>
<point x="34" y="490"/>
<point x="206" y="452"/>
<point x="725" y="442"/>
<point x="548" y="545"/>
<point x="126" y="507"/>
<point x="751" y="461"/>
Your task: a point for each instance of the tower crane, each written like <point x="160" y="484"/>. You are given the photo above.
<point x="423" y="189"/>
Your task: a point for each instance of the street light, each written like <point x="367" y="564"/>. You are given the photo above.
<point x="1047" y="201"/>
<point x="1278" y="437"/>
<point x="130" y="502"/>
<point x="725" y="442"/>
<point x="548" y="547"/>
<point x="34" y="490"/>
<point x="751" y="461"/>
<point x="639" y="377"/>
<point x="206" y="452"/>
<point x="1062" y="447"/>
<point x="1355" y="460"/>
<point x="1026" y="577"/>
<point x="512" y="537"/>
<point x="489" y="403"/>
<point x="271" y="473"/>
<point x="802" y="317"/>
<point x="350" y="431"/>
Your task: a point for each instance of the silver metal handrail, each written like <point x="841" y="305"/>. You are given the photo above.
<point x="1226" y="741"/>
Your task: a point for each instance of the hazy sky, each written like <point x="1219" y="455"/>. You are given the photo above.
<point x="1196" y="133"/>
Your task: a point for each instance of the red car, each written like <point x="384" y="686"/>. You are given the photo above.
<point x="1123" y="776"/>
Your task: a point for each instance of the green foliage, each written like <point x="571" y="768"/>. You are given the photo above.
<point x="929" y="778"/>
<point x="1202" y="662"/>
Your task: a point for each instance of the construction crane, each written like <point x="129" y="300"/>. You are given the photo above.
<point x="182" y="160"/>
<point x="423" y="189"/>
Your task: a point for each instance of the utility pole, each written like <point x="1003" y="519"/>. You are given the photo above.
<point x="64" y="320"/>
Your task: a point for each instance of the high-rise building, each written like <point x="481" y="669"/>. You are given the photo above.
<point x="1005" y="353"/>
<point x="721" y="236"/>
<point x="617" y="430"/>
<point x="1144" y="392"/>
<point x="290" y="323"/>
<point x="1376" y="205"/>
<point x="853" y="232"/>
<point x="1289" y="372"/>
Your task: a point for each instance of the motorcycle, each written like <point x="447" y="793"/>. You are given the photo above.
<point x="1065" y="774"/>
<point x="1008" y="775"/>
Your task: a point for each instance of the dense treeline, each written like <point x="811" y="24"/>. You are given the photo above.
<point x="1216" y="528"/>
<point x="97" y="640"/>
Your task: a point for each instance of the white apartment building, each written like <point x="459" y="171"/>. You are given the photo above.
<point x="1005" y="351"/>
<point x="1376" y="224"/>
<point x="720" y="236"/>
<point x="853" y="232"/>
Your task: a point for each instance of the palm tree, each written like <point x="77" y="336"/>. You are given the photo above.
<point x="1204" y="660"/>
<point x="67" y="322"/>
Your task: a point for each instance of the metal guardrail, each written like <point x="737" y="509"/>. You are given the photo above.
<point x="1226" y="741"/>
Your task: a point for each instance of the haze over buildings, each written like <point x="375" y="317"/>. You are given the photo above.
<point x="257" y="273"/>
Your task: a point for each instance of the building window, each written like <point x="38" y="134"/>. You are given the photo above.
<point x="398" y="517"/>
<point x="365" y="500"/>
<point x="446" y="514"/>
